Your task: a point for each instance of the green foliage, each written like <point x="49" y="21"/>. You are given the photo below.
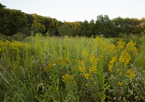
<point x="38" y="23"/>
<point x="92" y="29"/>
<point x="127" y="25"/>
<point x="19" y="36"/>
<point x="69" y="69"/>
<point x="84" y="28"/>
<point x="4" y="37"/>
<point x="64" y="30"/>
<point x="127" y="38"/>
<point x="105" y="26"/>
<point x="13" y="21"/>
<point x="75" y="32"/>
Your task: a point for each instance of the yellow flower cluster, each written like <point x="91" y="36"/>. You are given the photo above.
<point x="120" y="83"/>
<point x="114" y="59"/>
<point x="1" y="50"/>
<point x="49" y="67"/>
<point x="120" y="45"/>
<point x="125" y="57"/>
<point x="130" y="47"/>
<point x="108" y="48"/>
<point x="85" y="54"/>
<point x="68" y="78"/>
<point x="98" y="41"/>
<point x="87" y="85"/>
<point x="93" y="64"/>
<point x="95" y="83"/>
<point x="130" y="74"/>
<point x="82" y="68"/>
<point x="9" y="47"/>
<point x="87" y="75"/>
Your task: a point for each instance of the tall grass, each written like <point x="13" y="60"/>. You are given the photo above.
<point x="67" y="69"/>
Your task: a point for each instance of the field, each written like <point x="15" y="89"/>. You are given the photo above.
<point x="72" y="69"/>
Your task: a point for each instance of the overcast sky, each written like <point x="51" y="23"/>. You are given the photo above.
<point x="79" y="10"/>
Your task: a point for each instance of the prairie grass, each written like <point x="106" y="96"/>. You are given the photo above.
<point x="68" y="69"/>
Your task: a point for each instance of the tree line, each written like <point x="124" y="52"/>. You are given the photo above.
<point x="13" y="21"/>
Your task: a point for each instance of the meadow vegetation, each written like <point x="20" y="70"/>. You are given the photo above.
<point x="72" y="69"/>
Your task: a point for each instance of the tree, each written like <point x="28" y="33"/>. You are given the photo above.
<point x="12" y="21"/>
<point x="105" y="26"/>
<point x="2" y="18"/>
<point x="64" y="30"/>
<point x="126" y="25"/>
<point x="75" y="31"/>
<point x="92" y="29"/>
<point x="84" y="28"/>
<point x="38" y="23"/>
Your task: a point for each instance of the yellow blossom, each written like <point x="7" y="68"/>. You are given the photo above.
<point x="120" y="83"/>
<point x="113" y="59"/>
<point x="50" y="65"/>
<point x="125" y="57"/>
<point x="85" y="54"/>
<point x="110" y="68"/>
<point x="130" y="73"/>
<point x="111" y="77"/>
<point x="82" y="69"/>
<point x="91" y="58"/>
<point x="91" y="78"/>
<point x="95" y="83"/>
<point x="131" y="48"/>
<point x="118" y="70"/>
<point x="87" y="85"/>
<point x="120" y="45"/>
<point x="67" y="78"/>
<point x="120" y="73"/>
<point x="87" y="75"/>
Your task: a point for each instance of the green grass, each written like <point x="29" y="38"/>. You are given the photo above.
<point x="47" y="69"/>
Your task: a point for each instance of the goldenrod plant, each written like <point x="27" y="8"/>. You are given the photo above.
<point x="71" y="69"/>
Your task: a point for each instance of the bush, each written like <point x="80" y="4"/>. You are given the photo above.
<point x="19" y="36"/>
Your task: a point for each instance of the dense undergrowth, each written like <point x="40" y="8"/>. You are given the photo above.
<point x="67" y="69"/>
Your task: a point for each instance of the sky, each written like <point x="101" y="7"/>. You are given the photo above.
<point x="79" y="10"/>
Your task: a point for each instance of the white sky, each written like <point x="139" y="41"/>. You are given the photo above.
<point x="79" y="10"/>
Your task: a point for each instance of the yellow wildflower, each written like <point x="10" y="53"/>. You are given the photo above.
<point x="118" y="70"/>
<point x="130" y="73"/>
<point x="0" y="49"/>
<point x="82" y="69"/>
<point x="116" y="64"/>
<point x="110" y="68"/>
<point x="82" y="63"/>
<point x="67" y="78"/>
<point x="120" y="83"/>
<point x="120" y="44"/>
<point x="91" y="78"/>
<point x="120" y="73"/>
<point x="125" y="57"/>
<point x="87" y="85"/>
<point x="91" y="58"/>
<point x="87" y="75"/>
<point x="111" y="77"/>
<point x="95" y="83"/>
<point x="113" y="59"/>
<point x="85" y="54"/>
<point x="50" y="65"/>
<point x="131" y="48"/>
